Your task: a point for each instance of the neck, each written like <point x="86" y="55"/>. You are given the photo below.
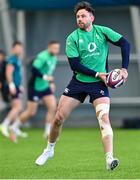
<point x="89" y="28"/>
<point x="50" y="53"/>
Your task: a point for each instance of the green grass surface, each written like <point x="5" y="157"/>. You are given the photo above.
<point x="79" y="154"/>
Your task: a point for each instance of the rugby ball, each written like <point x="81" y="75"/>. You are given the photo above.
<point x="113" y="79"/>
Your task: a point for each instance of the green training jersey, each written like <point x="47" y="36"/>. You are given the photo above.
<point x="46" y="64"/>
<point x="91" y="48"/>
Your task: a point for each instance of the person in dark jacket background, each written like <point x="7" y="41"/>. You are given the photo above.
<point x="3" y="82"/>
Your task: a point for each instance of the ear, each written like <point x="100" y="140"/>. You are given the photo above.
<point x="92" y="18"/>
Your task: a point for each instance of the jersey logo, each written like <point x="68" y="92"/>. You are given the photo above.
<point x="97" y="36"/>
<point x="66" y="90"/>
<point x="36" y="98"/>
<point x="92" y="47"/>
<point x="81" y="41"/>
<point x="102" y="92"/>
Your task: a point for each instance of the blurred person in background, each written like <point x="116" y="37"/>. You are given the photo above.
<point x="3" y="82"/>
<point x="14" y="80"/>
<point x="41" y="87"/>
<point x="87" y="52"/>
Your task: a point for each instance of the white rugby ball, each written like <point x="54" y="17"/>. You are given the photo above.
<point x="114" y="80"/>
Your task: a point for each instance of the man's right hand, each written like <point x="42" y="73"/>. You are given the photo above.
<point x="48" y="78"/>
<point x="102" y="76"/>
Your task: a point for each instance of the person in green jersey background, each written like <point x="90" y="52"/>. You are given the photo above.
<point x="87" y="52"/>
<point x="41" y="86"/>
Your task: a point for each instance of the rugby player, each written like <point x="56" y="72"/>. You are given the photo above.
<point x="41" y="87"/>
<point x="87" y="52"/>
<point x="14" y="80"/>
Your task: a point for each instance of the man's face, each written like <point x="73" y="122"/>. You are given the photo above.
<point x="84" y="19"/>
<point x="18" y="50"/>
<point x="54" y="49"/>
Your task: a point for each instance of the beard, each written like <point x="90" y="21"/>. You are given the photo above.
<point x="82" y="25"/>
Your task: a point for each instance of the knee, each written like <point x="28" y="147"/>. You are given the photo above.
<point x="31" y="113"/>
<point x="17" y="107"/>
<point x="20" y="108"/>
<point x="59" y="118"/>
<point x="52" y="108"/>
<point x="102" y="113"/>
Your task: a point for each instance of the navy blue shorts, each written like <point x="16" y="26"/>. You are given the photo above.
<point x="35" y="96"/>
<point x="79" y="90"/>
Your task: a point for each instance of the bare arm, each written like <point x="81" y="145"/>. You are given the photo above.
<point x="9" y="77"/>
<point x="9" y="73"/>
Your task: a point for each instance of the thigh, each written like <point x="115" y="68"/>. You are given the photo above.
<point x="98" y="90"/>
<point x="102" y="100"/>
<point x="67" y="105"/>
<point x="50" y="101"/>
<point x="16" y="102"/>
<point x="32" y="106"/>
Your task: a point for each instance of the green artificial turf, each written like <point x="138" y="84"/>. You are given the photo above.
<point x="78" y="154"/>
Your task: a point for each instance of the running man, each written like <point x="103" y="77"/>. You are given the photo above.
<point x="41" y="86"/>
<point x="87" y="52"/>
<point x="14" y="80"/>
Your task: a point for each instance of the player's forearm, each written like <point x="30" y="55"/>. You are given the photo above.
<point x="9" y="73"/>
<point x="76" y="66"/>
<point x="10" y="81"/>
<point x="9" y="77"/>
<point x="125" y="51"/>
<point x="37" y="73"/>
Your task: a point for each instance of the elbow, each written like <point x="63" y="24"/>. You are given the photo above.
<point x="73" y="68"/>
<point x="125" y="43"/>
<point x="34" y="70"/>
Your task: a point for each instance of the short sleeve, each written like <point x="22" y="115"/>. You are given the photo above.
<point x="11" y="60"/>
<point x="71" y="48"/>
<point x="111" y="34"/>
<point x="39" y="61"/>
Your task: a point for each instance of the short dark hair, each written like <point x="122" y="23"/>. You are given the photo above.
<point x="2" y="52"/>
<point x="84" y="5"/>
<point x="53" y="42"/>
<point x="16" y="43"/>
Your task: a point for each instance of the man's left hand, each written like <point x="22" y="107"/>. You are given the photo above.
<point x="124" y="74"/>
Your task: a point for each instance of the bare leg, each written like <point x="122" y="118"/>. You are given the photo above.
<point x="65" y="107"/>
<point x="12" y="115"/>
<point x="29" y="112"/>
<point x="51" y="104"/>
<point x="102" y="112"/>
<point x="23" y="117"/>
<point x="15" y="110"/>
<point x="108" y="138"/>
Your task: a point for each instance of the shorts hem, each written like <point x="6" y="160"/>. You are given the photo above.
<point x="73" y="97"/>
<point x="91" y="101"/>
